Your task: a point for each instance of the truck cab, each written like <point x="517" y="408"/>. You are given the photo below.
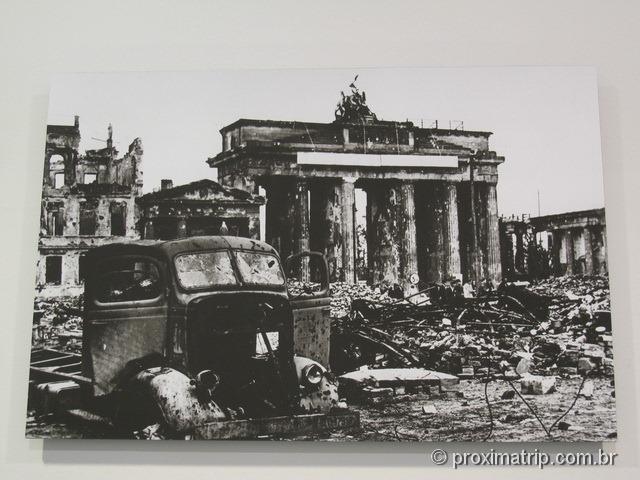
<point x="202" y="335"/>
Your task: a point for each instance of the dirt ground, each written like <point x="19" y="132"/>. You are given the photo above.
<point x="464" y="418"/>
<point x="467" y="418"/>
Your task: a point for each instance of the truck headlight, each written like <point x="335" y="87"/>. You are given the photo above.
<point x="312" y="374"/>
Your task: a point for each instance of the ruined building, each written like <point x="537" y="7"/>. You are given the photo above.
<point x="199" y="208"/>
<point x="571" y="243"/>
<point x="431" y="204"/>
<point x="87" y="200"/>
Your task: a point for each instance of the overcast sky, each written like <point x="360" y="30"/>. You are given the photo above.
<point x="544" y="120"/>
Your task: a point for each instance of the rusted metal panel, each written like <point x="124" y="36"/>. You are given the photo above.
<point x="312" y="329"/>
<point x="296" y="425"/>
<point x="115" y="342"/>
<point x="177" y="398"/>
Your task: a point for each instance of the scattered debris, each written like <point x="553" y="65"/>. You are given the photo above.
<point x="429" y="409"/>
<point x="537" y="385"/>
<point x="541" y="329"/>
<point x="508" y="395"/>
<point x="587" y="389"/>
<point x="57" y="323"/>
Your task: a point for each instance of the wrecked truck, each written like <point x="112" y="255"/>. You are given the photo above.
<point x="200" y="336"/>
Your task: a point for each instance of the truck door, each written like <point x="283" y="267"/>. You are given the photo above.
<point x="125" y="317"/>
<point x="308" y="287"/>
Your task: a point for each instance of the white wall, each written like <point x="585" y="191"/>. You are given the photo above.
<point x="41" y="37"/>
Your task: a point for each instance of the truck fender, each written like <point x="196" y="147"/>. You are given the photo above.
<point x="316" y="398"/>
<point x="175" y="395"/>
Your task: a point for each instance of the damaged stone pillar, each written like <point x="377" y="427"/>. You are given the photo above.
<point x="381" y="230"/>
<point x="431" y="221"/>
<point x="493" y="266"/>
<point x="599" y="248"/>
<point x="567" y="243"/>
<point x="556" y="249"/>
<point x="408" y="248"/>
<point x="332" y="224"/>
<point x="300" y="223"/>
<point x="439" y="231"/>
<point x="391" y="233"/>
<point x="451" y="232"/>
<point x="519" y="255"/>
<point x="347" y="229"/>
<point x="287" y="218"/>
<point x="588" y="251"/>
<point x="277" y="233"/>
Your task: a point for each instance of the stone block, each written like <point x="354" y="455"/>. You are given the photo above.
<point x="585" y="365"/>
<point x="537" y="385"/>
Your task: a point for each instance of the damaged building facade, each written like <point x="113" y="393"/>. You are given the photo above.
<point x="87" y="200"/>
<point x="571" y="243"/>
<point x="203" y="207"/>
<point x="431" y="204"/>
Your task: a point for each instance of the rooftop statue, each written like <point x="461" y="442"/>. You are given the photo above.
<point x="353" y="108"/>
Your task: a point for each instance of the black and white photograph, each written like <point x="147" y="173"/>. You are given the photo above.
<point x="337" y="255"/>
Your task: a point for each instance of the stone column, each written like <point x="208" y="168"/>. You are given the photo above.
<point x="287" y="217"/>
<point x="299" y="223"/>
<point x="507" y="246"/>
<point x="451" y="232"/>
<point x="346" y="194"/>
<point x="324" y="225"/>
<point x="493" y="236"/>
<point x="588" y="251"/>
<point x="519" y="255"/>
<point x="382" y="232"/>
<point x="391" y="233"/>
<point x="333" y="226"/>
<point x="433" y="222"/>
<point x="599" y="248"/>
<point x="276" y="211"/>
<point x="556" y="243"/>
<point x="567" y="239"/>
<point x="408" y="249"/>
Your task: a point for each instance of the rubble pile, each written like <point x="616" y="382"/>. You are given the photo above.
<point x="344" y="294"/>
<point x="559" y="326"/>
<point x="57" y="323"/>
<point x="576" y="296"/>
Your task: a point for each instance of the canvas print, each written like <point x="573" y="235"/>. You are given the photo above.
<point x="340" y="255"/>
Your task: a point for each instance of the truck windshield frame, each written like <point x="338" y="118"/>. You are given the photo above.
<point x="235" y="268"/>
